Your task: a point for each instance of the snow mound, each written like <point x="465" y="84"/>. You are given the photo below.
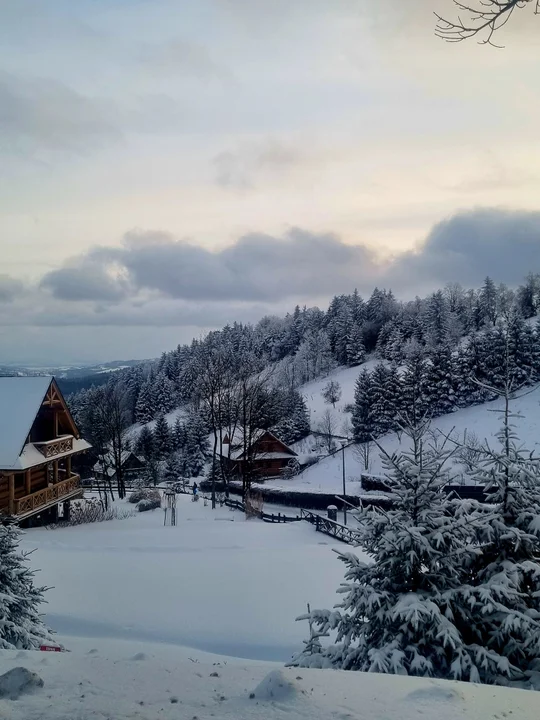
<point x="275" y="687"/>
<point x="435" y="694"/>
<point x="17" y="682"/>
<point x="138" y="657"/>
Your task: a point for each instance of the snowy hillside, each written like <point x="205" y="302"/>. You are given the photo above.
<point x="136" y="681"/>
<point x="312" y="393"/>
<point x="326" y="476"/>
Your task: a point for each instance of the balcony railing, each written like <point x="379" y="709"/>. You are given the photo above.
<point x="50" y="448"/>
<point x="48" y="496"/>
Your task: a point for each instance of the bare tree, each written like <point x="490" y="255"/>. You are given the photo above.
<point x="363" y="453"/>
<point x="326" y="427"/>
<point x="480" y="18"/>
<point x="107" y="419"/>
<point x="331" y="392"/>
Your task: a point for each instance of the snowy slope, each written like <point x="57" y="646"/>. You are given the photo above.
<point x="346" y="377"/>
<point x="326" y="476"/>
<point x="107" y="679"/>
<point x="215" y="582"/>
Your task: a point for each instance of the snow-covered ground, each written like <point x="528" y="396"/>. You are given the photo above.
<point x="312" y="393"/>
<point x="183" y="622"/>
<point x="482" y="420"/>
<point x="113" y="679"/>
<point x="215" y="582"/>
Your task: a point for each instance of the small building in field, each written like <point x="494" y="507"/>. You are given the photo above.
<point x="38" y="439"/>
<point x="132" y="467"/>
<point x="266" y="453"/>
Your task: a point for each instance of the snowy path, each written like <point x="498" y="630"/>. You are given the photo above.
<point x="215" y="582"/>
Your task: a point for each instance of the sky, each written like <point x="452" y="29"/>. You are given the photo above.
<point x="168" y="166"/>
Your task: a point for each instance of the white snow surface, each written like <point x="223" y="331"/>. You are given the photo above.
<point x="181" y="622"/>
<point x="125" y="680"/>
<point x="215" y="582"/>
<point x="482" y="420"/>
<point x="347" y="378"/>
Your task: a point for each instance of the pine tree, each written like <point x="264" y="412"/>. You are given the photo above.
<point x="173" y="468"/>
<point x="144" y="408"/>
<point x="397" y="611"/>
<point x="355" y="349"/>
<point x="440" y="381"/>
<point x="197" y="447"/>
<point x="21" y="625"/>
<point x="162" y="438"/>
<point x="363" y="416"/>
<point x="414" y="400"/>
<point x="164" y="394"/>
<point x="437" y="319"/>
<point x="145" y="443"/>
<point x="505" y="576"/>
<point x="488" y="302"/>
<point x="384" y="409"/>
<point x="178" y="435"/>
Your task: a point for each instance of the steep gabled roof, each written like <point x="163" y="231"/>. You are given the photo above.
<point x="20" y="401"/>
<point x="237" y="445"/>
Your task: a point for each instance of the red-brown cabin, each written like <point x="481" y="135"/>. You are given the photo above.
<point x="268" y="455"/>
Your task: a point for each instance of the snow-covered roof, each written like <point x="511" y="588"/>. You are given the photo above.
<point x="20" y="400"/>
<point x="237" y="445"/>
<point x="109" y="458"/>
<point x="31" y="456"/>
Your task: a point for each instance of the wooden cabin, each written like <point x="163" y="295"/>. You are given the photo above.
<point x="269" y="455"/>
<point x="132" y="467"/>
<point x="38" y="439"/>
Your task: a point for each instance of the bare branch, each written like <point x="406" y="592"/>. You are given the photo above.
<point x="483" y="18"/>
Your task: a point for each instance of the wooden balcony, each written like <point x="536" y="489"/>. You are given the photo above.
<point x="47" y="497"/>
<point x="50" y="448"/>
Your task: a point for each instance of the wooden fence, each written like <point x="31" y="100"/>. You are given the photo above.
<point x="331" y="527"/>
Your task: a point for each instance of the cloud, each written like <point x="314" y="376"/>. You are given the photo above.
<point x="504" y="244"/>
<point x="257" y="268"/>
<point x="242" y="168"/>
<point x="43" y="114"/>
<point x="300" y="265"/>
<point x="87" y="280"/>
<point x="9" y="288"/>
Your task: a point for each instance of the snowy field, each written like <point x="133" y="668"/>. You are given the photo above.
<point x="326" y="476"/>
<point x="215" y="582"/>
<point x="183" y="622"/>
<point x="124" y="680"/>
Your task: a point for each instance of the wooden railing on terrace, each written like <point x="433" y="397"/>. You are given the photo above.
<point x="47" y="496"/>
<point x="50" y="448"/>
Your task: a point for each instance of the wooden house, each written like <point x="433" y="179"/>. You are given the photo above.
<point x="132" y="466"/>
<point x="38" y="439"/>
<point x="267" y="454"/>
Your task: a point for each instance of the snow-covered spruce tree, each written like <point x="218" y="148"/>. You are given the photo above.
<point x="162" y="438"/>
<point x="145" y="443"/>
<point x="362" y="414"/>
<point x="440" y="381"/>
<point x="173" y="468"/>
<point x="505" y="576"/>
<point x="356" y="351"/>
<point x="397" y="611"/>
<point x="21" y="626"/>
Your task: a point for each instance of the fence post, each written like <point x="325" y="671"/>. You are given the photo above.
<point x="317" y="518"/>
